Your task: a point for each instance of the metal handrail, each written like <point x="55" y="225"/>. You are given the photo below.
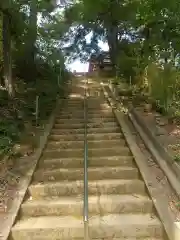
<point x="86" y="232"/>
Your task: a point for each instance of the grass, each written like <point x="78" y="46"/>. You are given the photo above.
<point x="163" y="93"/>
<point x="177" y="158"/>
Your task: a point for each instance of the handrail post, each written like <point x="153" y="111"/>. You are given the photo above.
<point x="85" y="217"/>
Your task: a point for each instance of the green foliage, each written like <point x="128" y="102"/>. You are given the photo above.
<point x="14" y="114"/>
<point x="177" y="158"/>
<point x="11" y="123"/>
<point x="143" y="38"/>
<point x="36" y="59"/>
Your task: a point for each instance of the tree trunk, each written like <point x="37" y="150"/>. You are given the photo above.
<point x="7" y="55"/>
<point x="112" y="37"/>
<point x="31" y="41"/>
<point x="112" y="33"/>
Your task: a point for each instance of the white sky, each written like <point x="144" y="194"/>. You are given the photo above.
<point x="77" y="65"/>
<point x="83" y="67"/>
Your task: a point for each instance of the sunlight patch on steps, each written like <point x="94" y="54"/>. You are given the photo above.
<point x="76" y="96"/>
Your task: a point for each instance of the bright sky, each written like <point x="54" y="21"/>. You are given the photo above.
<point x="83" y="67"/>
<point x="77" y="65"/>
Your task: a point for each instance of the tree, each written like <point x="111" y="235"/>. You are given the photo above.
<point x="7" y="55"/>
<point x="152" y="25"/>
<point x="107" y="20"/>
<point x="22" y="36"/>
<point x="31" y="32"/>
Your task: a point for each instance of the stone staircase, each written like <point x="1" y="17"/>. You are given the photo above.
<point x="119" y="206"/>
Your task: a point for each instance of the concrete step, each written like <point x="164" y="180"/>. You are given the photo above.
<point x="81" y="115"/>
<point x="53" y="145"/>
<point x="119" y="207"/>
<point x="69" y="102"/>
<point x="99" y="124"/>
<point x="92" y="136"/>
<point x="92" y="162"/>
<point x="70" y="188"/>
<point x="110" y="238"/>
<point x="80" y="144"/>
<point x="73" y="174"/>
<point x="101" y="205"/>
<point x="73" y="100"/>
<point x="101" y="105"/>
<point x="97" y="110"/>
<point x="102" y="124"/>
<point x="80" y="109"/>
<point x="81" y="120"/>
<point x="93" y="99"/>
<point x="81" y="130"/>
<point x="98" y="107"/>
<point x="73" y="105"/>
<point x="89" y="111"/>
<point x="69" y="112"/>
<point x="109" y="226"/>
<point x="96" y="152"/>
<point x="100" y="102"/>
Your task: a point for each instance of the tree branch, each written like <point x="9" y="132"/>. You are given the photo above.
<point x="5" y="11"/>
